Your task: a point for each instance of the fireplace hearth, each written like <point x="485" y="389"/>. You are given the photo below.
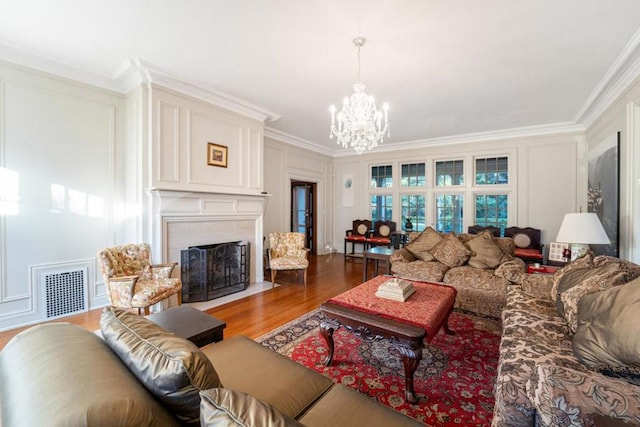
<point x="213" y="271"/>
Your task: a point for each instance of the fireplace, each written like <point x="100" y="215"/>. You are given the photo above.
<point x="215" y="270"/>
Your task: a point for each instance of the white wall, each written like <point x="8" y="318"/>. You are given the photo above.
<point x="181" y="128"/>
<point x="544" y="176"/>
<point x="284" y="163"/>
<point x="61" y="196"/>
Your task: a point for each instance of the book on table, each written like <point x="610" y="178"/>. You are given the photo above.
<point x="396" y="289"/>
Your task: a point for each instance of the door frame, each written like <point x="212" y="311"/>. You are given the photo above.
<point x="314" y="205"/>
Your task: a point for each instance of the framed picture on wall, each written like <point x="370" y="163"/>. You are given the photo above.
<point x="216" y="155"/>
<point x="604" y="190"/>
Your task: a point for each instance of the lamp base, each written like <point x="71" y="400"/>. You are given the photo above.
<point x="578" y="250"/>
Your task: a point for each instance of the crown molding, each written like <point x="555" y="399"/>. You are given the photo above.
<point x="133" y="72"/>
<point x="287" y="138"/>
<point x="618" y="78"/>
<point x="504" y="134"/>
<point x="15" y="56"/>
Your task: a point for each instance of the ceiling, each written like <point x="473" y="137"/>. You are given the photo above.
<point x="446" y="68"/>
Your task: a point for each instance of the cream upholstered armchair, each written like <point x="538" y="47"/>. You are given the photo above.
<point x="131" y="280"/>
<point x="287" y="252"/>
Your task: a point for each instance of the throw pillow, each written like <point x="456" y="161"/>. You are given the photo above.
<point x="173" y="369"/>
<point x="223" y="407"/>
<point x="584" y="262"/>
<point x="423" y="243"/>
<point x="608" y="337"/>
<point x="628" y="266"/>
<point x="451" y="251"/>
<point x="485" y="253"/>
<point x="584" y="282"/>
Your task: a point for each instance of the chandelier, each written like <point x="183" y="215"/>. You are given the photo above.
<point x="359" y="123"/>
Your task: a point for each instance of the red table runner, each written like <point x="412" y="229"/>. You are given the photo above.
<point x="427" y="308"/>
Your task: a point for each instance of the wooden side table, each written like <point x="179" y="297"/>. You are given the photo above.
<point x="190" y="323"/>
<point x="376" y="254"/>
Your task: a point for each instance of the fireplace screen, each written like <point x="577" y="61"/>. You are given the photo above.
<point x="213" y="271"/>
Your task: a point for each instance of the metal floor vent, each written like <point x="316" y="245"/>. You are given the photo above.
<point x="65" y="292"/>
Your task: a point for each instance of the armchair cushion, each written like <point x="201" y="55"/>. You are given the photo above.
<point x="223" y="407"/>
<point x="607" y="337"/>
<point x="423" y="243"/>
<point x="450" y="251"/>
<point x="173" y="369"/>
<point x="152" y="291"/>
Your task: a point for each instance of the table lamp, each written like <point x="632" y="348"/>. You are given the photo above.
<point x="581" y="230"/>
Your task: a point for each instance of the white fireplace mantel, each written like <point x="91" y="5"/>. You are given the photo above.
<point x="179" y="219"/>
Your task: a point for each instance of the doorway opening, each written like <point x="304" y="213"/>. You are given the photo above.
<point x="303" y="207"/>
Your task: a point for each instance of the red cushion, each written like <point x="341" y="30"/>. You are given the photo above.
<point x="355" y="238"/>
<point x="379" y="240"/>
<point x="528" y="253"/>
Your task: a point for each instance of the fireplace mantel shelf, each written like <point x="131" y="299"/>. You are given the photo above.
<point x="172" y="191"/>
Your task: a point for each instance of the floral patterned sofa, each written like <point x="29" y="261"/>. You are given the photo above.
<point x="561" y="334"/>
<point x="480" y="267"/>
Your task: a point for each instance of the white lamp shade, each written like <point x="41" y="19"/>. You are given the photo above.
<point x="583" y="228"/>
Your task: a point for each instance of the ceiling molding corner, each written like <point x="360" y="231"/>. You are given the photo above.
<point x="619" y="77"/>
<point x="135" y="71"/>
<point x="287" y="138"/>
<point x="16" y="56"/>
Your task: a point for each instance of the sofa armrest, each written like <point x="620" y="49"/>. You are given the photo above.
<point x="538" y="285"/>
<point x="513" y="270"/>
<point x="401" y="255"/>
<point x="121" y="290"/>
<point x="564" y="396"/>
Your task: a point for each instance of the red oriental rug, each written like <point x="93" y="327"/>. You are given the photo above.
<point x="454" y="381"/>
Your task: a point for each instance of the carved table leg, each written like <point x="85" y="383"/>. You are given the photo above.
<point x="327" y="328"/>
<point x="411" y="356"/>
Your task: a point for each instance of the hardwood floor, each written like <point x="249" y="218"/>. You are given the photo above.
<point x="328" y="275"/>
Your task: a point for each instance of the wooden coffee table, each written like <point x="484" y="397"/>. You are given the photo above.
<point x="190" y="323"/>
<point x="407" y="325"/>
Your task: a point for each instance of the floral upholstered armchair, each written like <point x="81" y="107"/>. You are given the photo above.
<point x="132" y="281"/>
<point x="287" y="252"/>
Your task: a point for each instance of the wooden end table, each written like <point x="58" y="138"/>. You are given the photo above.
<point x="376" y="254"/>
<point x="190" y="323"/>
<point x="392" y="320"/>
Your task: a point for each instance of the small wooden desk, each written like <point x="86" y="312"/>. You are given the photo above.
<point x="190" y="323"/>
<point x="376" y="254"/>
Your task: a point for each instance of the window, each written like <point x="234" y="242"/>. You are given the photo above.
<point x="381" y="176"/>
<point x="492" y="170"/>
<point x="491" y="209"/>
<point x="449" y="172"/>
<point x="413" y="208"/>
<point x="413" y="175"/>
<point x="449" y="215"/>
<point x="381" y="208"/>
